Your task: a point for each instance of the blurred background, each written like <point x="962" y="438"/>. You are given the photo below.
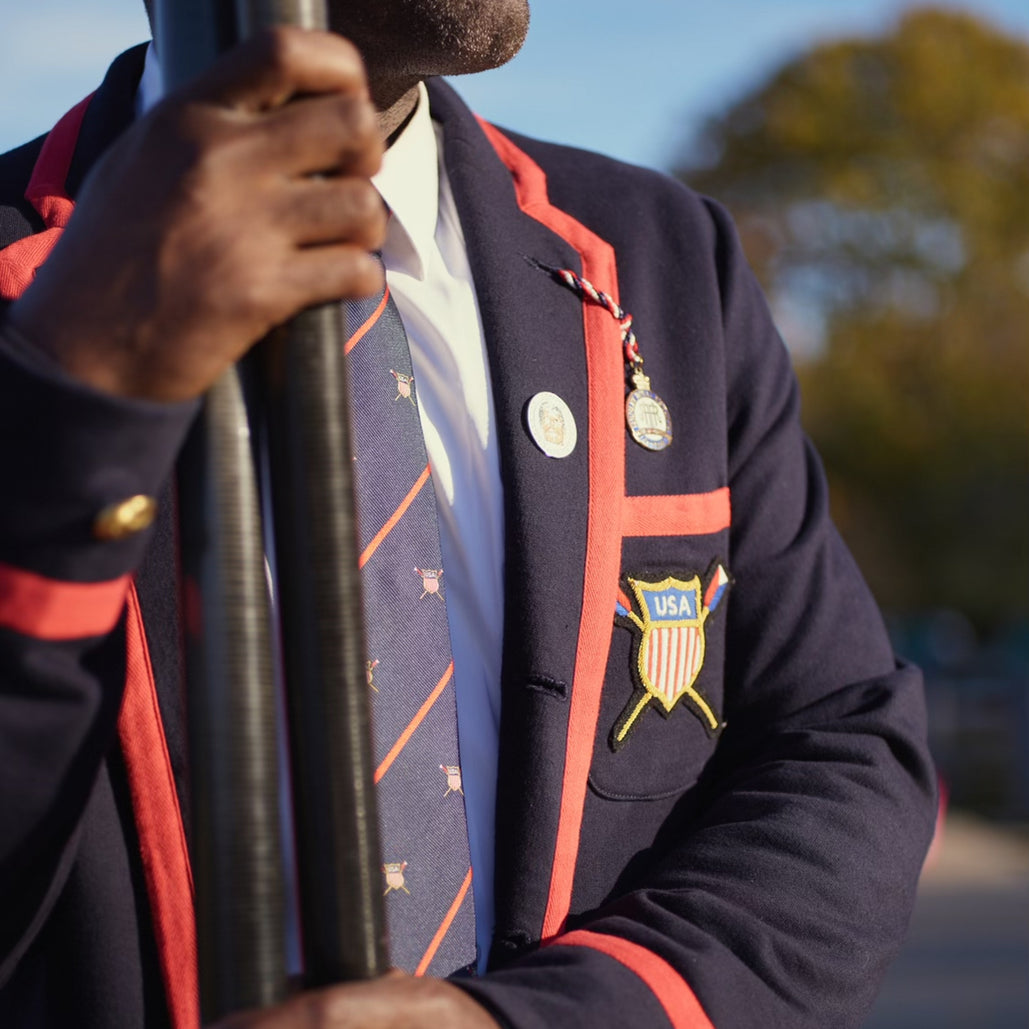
<point x="875" y="155"/>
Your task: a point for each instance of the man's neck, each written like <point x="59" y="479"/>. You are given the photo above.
<point x="395" y="115"/>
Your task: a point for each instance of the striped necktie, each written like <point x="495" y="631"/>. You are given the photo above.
<point x="427" y="871"/>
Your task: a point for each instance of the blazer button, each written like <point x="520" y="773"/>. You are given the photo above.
<point x="125" y="518"/>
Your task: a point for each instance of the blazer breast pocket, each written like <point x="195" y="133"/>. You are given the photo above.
<point x="661" y="707"/>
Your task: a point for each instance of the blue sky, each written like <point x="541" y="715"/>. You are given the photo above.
<point x="628" y="77"/>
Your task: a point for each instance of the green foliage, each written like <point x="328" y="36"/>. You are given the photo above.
<point x="881" y="187"/>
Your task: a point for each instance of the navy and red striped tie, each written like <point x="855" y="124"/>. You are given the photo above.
<point x="427" y="871"/>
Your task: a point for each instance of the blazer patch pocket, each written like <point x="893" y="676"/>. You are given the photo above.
<point x="661" y="708"/>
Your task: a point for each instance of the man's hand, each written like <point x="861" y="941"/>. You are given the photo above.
<point x="234" y="204"/>
<point x="397" y="1001"/>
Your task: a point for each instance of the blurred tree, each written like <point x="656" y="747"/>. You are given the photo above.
<point x="881" y="187"/>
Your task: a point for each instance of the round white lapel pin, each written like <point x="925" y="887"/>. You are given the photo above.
<point x="551" y="424"/>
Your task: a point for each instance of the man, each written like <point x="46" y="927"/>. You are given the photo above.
<point x="735" y="843"/>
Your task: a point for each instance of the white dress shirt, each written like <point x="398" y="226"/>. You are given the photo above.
<point x="431" y="282"/>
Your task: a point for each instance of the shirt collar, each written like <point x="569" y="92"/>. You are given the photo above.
<point x="150" y="88"/>
<point x="408" y="181"/>
<point x="409" y="184"/>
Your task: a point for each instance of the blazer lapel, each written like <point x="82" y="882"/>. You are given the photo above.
<point x="535" y="340"/>
<point x="111" y="112"/>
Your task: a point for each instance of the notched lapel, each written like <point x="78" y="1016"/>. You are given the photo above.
<point x="534" y="337"/>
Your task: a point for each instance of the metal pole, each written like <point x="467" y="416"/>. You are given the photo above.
<point x="334" y="810"/>
<point x="238" y="867"/>
<point x="237" y="824"/>
<point x="334" y="804"/>
<point x="335" y="815"/>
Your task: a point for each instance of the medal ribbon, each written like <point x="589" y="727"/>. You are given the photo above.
<point x="652" y="430"/>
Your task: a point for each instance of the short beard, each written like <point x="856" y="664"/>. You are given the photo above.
<point x="422" y="38"/>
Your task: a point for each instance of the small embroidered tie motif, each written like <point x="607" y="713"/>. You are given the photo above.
<point x="426" y="871"/>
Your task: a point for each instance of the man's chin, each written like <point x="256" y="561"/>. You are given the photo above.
<point x="432" y="37"/>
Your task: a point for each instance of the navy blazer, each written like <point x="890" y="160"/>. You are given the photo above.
<point x="746" y="858"/>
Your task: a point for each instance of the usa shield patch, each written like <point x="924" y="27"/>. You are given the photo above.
<point x="668" y="618"/>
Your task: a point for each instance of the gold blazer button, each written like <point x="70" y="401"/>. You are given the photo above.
<point x="125" y="518"/>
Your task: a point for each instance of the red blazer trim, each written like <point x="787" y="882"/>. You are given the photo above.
<point x="603" y="529"/>
<point x="162" y="840"/>
<point x="687" y="514"/>
<point x="679" y="1001"/>
<point x="32" y="604"/>
<point x="49" y="609"/>
<point x="47" y="194"/>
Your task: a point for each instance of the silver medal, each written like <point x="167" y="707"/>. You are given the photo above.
<point x="646" y="415"/>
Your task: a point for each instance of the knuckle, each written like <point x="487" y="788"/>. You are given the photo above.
<point x="359" y="143"/>
<point x="346" y="271"/>
<point x="373" y="222"/>
<point x="246" y="289"/>
<point x="279" y="47"/>
<point x="199" y="180"/>
<point x="178" y="143"/>
<point x="366" y="274"/>
<point x="366" y="203"/>
<point x="279" y="53"/>
<point x="258" y="294"/>
<point x="343" y="49"/>
<point x="364" y="123"/>
<point x="347" y="54"/>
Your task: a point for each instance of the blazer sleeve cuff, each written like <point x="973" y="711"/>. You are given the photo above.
<point x="587" y="977"/>
<point x="69" y="453"/>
